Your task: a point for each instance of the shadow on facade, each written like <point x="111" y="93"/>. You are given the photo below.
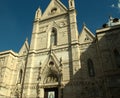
<point x="98" y="75"/>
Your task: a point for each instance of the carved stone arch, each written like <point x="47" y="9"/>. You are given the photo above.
<point x="47" y="73"/>
<point x="50" y="66"/>
<point x="50" y="63"/>
<point x="51" y="77"/>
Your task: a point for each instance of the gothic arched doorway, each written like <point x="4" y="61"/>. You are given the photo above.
<point x="51" y="92"/>
<point x="51" y="88"/>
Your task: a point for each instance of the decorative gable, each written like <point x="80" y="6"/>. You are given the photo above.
<point x="24" y="49"/>
<point x="51" y="62"/>
<point x="50" y="69"/>
<point x="86" y="36"/>
<point x="54" y="8"/>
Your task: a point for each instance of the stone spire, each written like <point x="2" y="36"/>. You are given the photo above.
<point x="38" y="14"/>
<point x="71" y="4"/>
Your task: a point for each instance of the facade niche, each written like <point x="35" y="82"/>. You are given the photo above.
<point x="90" y="66"/>
<point x="20" y="76"/>
<point x="53" y="37"/>
<point x="117" y="57"/>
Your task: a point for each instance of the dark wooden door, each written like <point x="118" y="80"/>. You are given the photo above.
<point x="51" y="93"/>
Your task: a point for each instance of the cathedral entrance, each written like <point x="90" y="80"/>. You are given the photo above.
<point x="51" y="93"/>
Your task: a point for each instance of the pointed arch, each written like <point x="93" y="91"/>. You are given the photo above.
<point x="90" y="66"/>
<point x="20" y="76"/>
<point x="53" y="36"/>
<point x="117" y="57"/>
<point x="51" y="75"/>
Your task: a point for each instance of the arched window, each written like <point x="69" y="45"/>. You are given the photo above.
<point x="53" y="38"/>
<point x="91" y="70"/>
<point x="20" y="75"/>
<point x="117" y="57"/>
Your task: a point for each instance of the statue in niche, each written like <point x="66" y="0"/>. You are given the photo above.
<point x="48" y="80"/>
<point x="51" y="79"/>
<point x="55" y="80"/>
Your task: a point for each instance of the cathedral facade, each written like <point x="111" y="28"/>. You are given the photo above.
<point x="61" y="62"/>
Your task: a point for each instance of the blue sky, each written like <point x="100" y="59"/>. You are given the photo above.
<point x="16" y="18"/>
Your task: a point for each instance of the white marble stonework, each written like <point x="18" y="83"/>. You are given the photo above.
<point x="61" y="62"/>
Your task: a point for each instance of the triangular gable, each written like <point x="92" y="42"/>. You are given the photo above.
<point x="86" y="36"/>
<point x="51" y="58"/>
<point x="24" y="49"/>
<point x="54" y="8"/>
<point x="51" y="66"/>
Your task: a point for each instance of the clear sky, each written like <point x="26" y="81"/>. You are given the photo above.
<point x="16" y="18"/>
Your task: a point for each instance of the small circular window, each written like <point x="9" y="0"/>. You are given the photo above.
<point x="54" y="10"/>
<point x="51" y="63"/>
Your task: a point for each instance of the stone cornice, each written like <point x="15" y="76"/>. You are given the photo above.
<point x="57" y="48"/>
<point x="107" y="29"/>
<point x="9" y="52"/>
<point x="52" y="17"/>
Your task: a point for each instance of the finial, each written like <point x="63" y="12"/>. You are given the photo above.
<point x="26" y="39"/>
<point x="84" y="24"/>
<point x="38" y="14"/>
<point x="71" y="4"/>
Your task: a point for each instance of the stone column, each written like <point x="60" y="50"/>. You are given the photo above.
<point x="41" y="93"/>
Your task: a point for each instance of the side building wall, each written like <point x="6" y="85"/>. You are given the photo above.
<point x="109" y="46"/>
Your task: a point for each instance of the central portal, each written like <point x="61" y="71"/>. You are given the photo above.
<point x="51" y="93"/>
